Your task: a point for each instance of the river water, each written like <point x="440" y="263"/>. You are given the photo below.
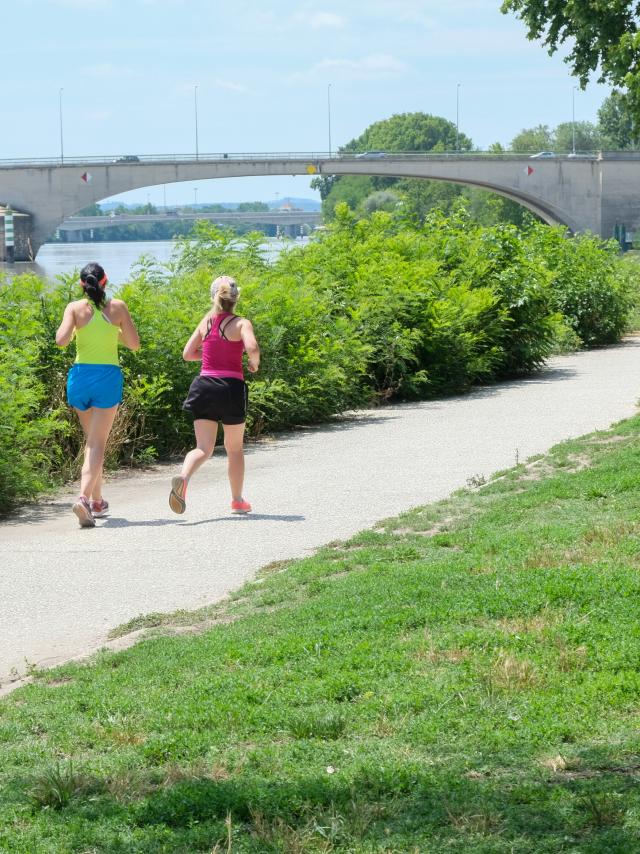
<point x="116" y="258"/>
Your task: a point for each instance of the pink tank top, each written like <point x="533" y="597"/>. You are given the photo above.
<point x="221" y="357"/>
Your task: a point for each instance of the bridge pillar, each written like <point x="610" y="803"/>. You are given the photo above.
<point x="620" y="205"/>
<point x="17" y="247"/>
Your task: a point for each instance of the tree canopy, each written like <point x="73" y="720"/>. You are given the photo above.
<point x="401" y="132"/>
<point x="539" y="138"/>
<point x="616" y="123"/>
<point x="604" y="38"/>
<point x="411" y="132"/>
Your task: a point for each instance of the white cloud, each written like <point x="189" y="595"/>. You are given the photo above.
<point x="320" y="20"/>
<point x="370" y="67"/>
<point x="404" y="12"/>
<point x="305" y="17"/>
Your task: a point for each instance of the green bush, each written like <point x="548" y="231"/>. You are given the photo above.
<point x="372" y="310"/>
<point x="31" y="423"/>
<point x="591" y="288"/>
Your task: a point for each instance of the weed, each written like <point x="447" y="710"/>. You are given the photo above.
<point x="318" y="723"/>
<point x="476" y="481"/>
<point x="485" y="823"/>
<point x="603" y="809"/>
<point x="55" y="787"/>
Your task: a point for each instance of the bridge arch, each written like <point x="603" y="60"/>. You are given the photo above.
<point x="545" y="212"/>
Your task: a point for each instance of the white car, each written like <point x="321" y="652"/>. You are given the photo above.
<point x="371" y="155"/>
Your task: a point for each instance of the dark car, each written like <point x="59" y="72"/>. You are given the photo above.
<point x="127" y="158"/>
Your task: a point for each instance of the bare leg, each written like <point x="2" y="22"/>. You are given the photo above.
<point x="233" y="442"/>
<point x="206" y="432"/>
<point x="97" y="424"/>
<point x="84" y="416"/>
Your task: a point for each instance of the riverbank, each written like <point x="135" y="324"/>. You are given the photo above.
<point x="307" y="488"/>
<point x="373" y="311"/>
<point x="462" y="677"/>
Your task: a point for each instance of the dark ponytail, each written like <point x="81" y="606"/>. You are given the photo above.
<point x="93" y="280"/>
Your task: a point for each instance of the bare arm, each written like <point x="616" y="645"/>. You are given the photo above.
<point x="193" y="348"/>
<point x="128" y="332"/>
<point x="250" y="345"/>
<point x="67" y="327"/>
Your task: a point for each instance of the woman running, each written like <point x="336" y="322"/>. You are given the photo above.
<point x="219" y="393"/>
<point x="94" y="383"/>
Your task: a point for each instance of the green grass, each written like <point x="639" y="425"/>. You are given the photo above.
<point x="463" y="678"/>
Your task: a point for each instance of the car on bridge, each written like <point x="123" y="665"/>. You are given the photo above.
<point x="542" y="155"/>
<point x="371" y="155"/>
<point x="127" y="158"/>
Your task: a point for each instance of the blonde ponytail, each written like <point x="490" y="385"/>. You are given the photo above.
<point x="224" y="294"/>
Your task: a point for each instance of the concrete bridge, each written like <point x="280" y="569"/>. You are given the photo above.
<point x="585" y="193"/>
<point x="277" y="217"/>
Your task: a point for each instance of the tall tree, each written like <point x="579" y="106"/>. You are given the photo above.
<point x="402" y="132"/>
<point x="604" y="37"/>
<point x="587" y="137"/>
<point x="616" y="123"/>
<point x="411" y="132"/>
<point x="539" y="138"/>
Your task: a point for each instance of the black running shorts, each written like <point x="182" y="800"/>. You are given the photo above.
<point x="218" y="399"/>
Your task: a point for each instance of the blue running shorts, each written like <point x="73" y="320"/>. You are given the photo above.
<point x="94" y="385"/>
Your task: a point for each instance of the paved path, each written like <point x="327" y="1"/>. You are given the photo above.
<point x="62" y="589"/>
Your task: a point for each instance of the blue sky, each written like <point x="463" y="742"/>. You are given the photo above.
<point x="128" y="69"/>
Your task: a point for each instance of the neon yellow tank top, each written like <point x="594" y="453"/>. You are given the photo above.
<point x="97" y="342"/>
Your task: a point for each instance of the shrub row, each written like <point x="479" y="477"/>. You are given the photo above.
<point x="373" y="310"/>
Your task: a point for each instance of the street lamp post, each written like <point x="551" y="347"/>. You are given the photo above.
<point x="195" y="197"/>
<point x="573" y="119"/>
<point x="329" y="114"/>
<point x="458" y="117"/>
<point x="60" y="116"/>
<point x="195" y="105"/>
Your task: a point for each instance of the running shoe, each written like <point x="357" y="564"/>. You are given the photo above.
<point x="99" y="508"/>
<point x="241" y="506"/>
<point x="177" y="494"/>
<point x="82" y="509"/>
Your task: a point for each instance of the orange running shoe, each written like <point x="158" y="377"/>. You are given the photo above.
<point x="177" y="495"/>
<point x="241" y="506"/>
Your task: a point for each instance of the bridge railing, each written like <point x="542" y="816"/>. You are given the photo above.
<point x="134" y="160"/>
